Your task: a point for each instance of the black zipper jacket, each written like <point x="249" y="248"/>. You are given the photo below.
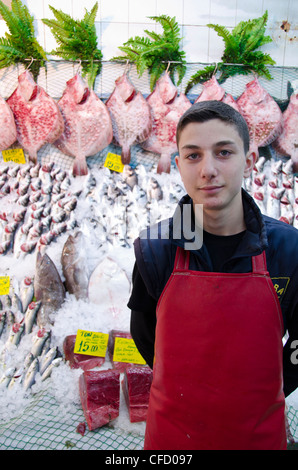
<point x="155" y="261"/>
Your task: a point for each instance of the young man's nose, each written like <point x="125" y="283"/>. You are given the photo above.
<point x="207" y="167"/>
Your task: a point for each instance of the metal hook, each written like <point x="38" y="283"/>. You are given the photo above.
<point x="126" y="67"/>
<point x="31" y="61"/>
<point x="168" y="66"/>
<point x="79" y="66"/>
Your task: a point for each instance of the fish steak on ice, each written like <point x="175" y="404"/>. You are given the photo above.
<point x="87" y="124"/>
<point x="131" y="116"/>
<point x="37" y="116"/>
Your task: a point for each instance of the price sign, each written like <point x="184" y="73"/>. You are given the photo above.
<point x="113" y="162"/>
<point x="125" y="350"/>
<point x="91" y="343"/>
<point x="4" y="285"/>
<point x="14" y="155"/>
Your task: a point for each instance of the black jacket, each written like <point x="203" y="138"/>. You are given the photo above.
<point x="155" y="262"/>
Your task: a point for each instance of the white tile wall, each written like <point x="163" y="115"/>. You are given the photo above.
<point x="117" y="20"/>
<point x="120" y="19"/>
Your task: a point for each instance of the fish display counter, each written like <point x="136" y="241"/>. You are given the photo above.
<point x="70" y="211"/>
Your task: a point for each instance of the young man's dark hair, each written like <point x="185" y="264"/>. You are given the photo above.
<point x="207" y="110"/>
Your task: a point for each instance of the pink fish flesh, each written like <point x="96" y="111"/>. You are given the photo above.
<point x="287" y="142"/>
<point x="37" y="116"/>
<point x="166" y="115"/>
<point x="87" y="124"/>
<point x="262" y="114"/>
<point x="8" y="131"/>
<point x="131" y="116"/>
<point x="211" y="91"/>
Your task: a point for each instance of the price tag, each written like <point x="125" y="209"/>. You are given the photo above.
<point x="4" y="285"/>
<point x="113" y="162"/>
<point x="14" y="155"/>
<point x="91" y="343"/>
<point x="125" y="350"/>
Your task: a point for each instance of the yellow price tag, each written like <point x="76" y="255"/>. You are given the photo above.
<point x="14" y="155"/>
<point x="125" y="350"/>
<point x="113" y="162"/>
<point x="4" y="285"/>
<point x="91" y="343"/>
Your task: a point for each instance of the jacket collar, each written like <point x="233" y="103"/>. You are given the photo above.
<point x="255" y="239"/>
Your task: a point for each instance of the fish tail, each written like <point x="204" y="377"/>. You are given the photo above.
<point x="164" y="164"/>
<point x="80" y="167"/>
<point x="125" y="155"/>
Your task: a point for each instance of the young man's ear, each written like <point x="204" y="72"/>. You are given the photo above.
<point x="251" y="158"/>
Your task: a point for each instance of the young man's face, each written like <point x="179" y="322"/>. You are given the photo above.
<point x="212" y="164"/>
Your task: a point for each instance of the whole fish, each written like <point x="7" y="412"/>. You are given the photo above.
<point x="48" y="359"/>
<point x="37" y="116"/>
<point x="30" y="375"/>
<point x="167" y="108"/>
<point x="87" y="124"/>
<point x="130" y="114"/>
<point x="287" y="142"/>
<point x="262" y="114"/>
<point x="38" y="341"/>
<point x="30" y="315"/>
<point x="48" y="288"/>
<point x="8" y="130"/>
<point x="73" y="261"/>
<point x="211" y="91"/>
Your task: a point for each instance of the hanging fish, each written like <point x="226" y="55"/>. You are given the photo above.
<point x="287" y="142"/>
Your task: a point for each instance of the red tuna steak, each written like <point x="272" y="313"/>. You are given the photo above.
<point x="131" y="116"/>
<point x="211" y="91"/>
<point x="287" y="142"/>
<point x="82" y="361"/>
<point x="37" y="116"/>
<point x="167" y="108"/>
<point x="136" y="386"/>
<point x="8" y="131"/>
<point x="262" y="114"/>
<point x="87" y="124"/>
<point x="100" y="396"/>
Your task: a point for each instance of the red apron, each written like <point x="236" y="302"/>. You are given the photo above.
<point x="217" y="377"/>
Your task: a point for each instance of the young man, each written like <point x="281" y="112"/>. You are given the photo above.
<point x="207" y="318"/>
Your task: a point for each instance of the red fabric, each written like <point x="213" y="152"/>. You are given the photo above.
<point x="217" y="378"/>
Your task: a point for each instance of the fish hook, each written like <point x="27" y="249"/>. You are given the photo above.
<point x="168" y="66"/>
<point x="31" y="62"/>
<point x="126" y="67"/>
<point x="215" y="70"/>
<point x="79" y="66"/>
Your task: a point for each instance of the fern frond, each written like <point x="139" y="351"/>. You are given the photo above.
<point x="199" y="77"/>
<point x="77" y="40"/>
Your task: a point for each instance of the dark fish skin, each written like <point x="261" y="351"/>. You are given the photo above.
<point x="48" y="288"/>
<point x="73" y="266"/>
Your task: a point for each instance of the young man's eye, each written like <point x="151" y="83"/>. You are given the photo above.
<point x="224" y="153"/>
<point x="192" y="156"/>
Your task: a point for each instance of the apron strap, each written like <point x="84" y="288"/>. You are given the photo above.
<point x="259" y="265"/>
<point x="181" y="259"/>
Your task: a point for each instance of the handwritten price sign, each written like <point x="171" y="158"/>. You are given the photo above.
<point x="125" y="350"/>
<point x="14" y="155"/>
<point x="91" y="343"/>
<point x="113" y="162"/>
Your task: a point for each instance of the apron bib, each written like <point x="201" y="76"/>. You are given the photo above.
<point x="217" y="376"/>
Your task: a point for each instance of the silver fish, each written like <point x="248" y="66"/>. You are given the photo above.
<point x="55" y="363"/>
<point x="16" y="333"/>
<point x="30" y="316"/>
<point x="46" y="360"/>
<point x="7" y="377"/>
<point x="38" y="341"/>
<point x="74" y="266"/>
<point x="26" y="292"/>
<point x="30" y="375"/>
